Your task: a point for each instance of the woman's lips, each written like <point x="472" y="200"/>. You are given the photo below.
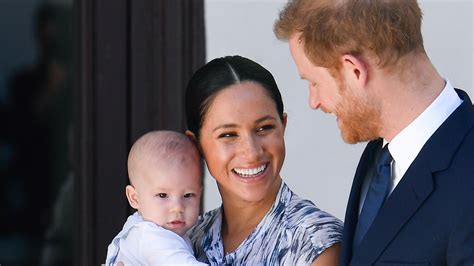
<point x="251" y="173"/>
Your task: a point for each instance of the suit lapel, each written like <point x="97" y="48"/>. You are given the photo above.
<point x="411" y="192"/>
<point x="417" y="183"/>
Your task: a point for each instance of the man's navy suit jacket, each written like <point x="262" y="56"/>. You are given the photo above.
<point x="429" y="217"/>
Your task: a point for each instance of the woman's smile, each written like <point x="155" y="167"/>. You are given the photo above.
<point x="251" y="174"/>
<point x="242" y="142"/>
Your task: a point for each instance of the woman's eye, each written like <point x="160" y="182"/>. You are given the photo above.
<point x="265" y="128"/>
<point x="162" y="195"/>
<point x="227" y="135"/>
<point x="189" y="195"/>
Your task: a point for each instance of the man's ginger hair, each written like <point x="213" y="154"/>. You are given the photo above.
<point x="381" y="30"/>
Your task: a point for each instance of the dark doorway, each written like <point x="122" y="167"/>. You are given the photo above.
<point x="80" y="80"/>
<point x="136" y="58"/>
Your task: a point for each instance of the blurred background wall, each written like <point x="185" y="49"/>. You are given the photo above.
<point x="318" y="165"/>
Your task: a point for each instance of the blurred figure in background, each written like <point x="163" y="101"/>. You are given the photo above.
<point x="38" y="112"/>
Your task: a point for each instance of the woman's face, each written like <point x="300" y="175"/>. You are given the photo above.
<point x="242" y="141"/>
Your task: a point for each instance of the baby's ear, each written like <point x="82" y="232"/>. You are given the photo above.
<point x="190" y="135"/>
<point x="132" y="196"/>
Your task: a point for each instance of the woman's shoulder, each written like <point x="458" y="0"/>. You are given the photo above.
<point x="303" y="214"/>
<point x="308" y="230"/>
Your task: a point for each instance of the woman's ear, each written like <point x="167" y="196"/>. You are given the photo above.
<point x="190" y="135"/>
<point x="284" y="120"/>
<point x="132" y="196"/>
<point x="193" y="138"/>
<point x="355" y="70"/>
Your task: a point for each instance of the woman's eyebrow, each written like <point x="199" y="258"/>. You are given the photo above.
<point x="267" y="117"/>
<point x="224" y="126"/>
<point x="231" y="125"/>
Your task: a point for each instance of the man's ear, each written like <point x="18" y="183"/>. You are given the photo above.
<point x="284" y="120"/>
<point x="354" y="70"/>
<point x="132" y="196"/>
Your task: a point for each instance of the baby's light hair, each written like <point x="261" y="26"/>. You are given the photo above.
<point x="159" y="146"/>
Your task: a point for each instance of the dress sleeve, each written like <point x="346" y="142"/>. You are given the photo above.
<point x="316" y="238"/>
<point x="159" y="246"/>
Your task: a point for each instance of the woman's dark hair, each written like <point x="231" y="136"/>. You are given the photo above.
<point x="219" y="74"/>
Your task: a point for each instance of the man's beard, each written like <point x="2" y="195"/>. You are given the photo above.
<point x="359" y="118"/>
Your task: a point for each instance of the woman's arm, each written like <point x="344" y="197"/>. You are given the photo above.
<point x="329" y="257"/>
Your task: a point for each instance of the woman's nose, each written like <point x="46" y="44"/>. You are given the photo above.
<point x="251" y="148"/>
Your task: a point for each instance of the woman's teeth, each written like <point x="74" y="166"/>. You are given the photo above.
<point x="250" y="172"/>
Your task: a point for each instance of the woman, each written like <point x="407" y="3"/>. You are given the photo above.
<point x="234" y="112"/>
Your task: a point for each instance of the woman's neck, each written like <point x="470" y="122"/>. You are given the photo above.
<point x="241" y="217"/>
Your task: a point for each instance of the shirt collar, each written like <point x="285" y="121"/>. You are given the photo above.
<point x="408" y="143"/>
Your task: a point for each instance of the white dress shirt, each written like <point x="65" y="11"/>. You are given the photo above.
<point x="406" y="145"/>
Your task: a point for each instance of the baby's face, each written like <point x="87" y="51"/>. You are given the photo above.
<point x="169" y="194"/>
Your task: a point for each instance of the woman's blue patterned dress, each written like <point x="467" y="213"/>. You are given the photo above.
<point x="293" y="232"/>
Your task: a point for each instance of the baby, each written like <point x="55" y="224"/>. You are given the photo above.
<point x="165" y="174"/>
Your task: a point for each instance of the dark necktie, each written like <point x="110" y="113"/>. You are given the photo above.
<point x="376" y="194"/>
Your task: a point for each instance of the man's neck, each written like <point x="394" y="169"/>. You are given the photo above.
<point x="405" y="95"/>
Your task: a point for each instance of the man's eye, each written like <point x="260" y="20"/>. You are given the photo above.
<point x="189" y="195"/>
<point x="162" y="195"/>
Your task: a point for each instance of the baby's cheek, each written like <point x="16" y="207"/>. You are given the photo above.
<point x="195" y="212"/>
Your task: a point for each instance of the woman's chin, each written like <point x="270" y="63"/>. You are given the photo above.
<point x="254" y="195"/>
<point x="258" y="189"/>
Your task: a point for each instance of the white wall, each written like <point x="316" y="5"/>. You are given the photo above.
<point x="318" y="165"/>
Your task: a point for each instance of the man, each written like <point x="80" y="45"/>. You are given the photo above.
<point x="412" y="201"/>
